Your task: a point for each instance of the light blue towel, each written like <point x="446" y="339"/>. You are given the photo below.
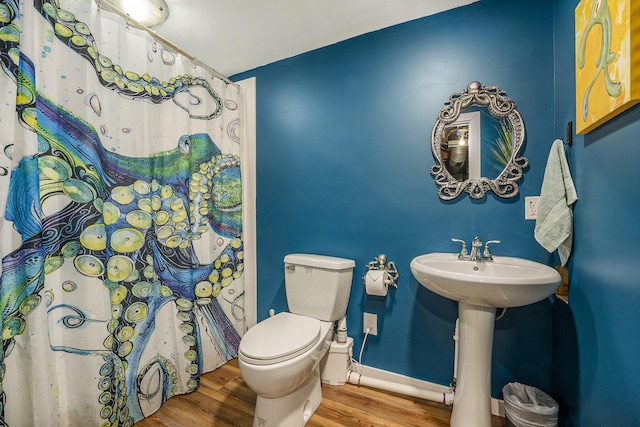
<point x="554" y="225"/>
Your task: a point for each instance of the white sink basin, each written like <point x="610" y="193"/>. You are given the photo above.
<point x="481" y="287"/>
<point x="503" y="282"/>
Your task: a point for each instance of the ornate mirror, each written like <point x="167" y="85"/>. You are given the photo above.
<point x="476" y="143"/>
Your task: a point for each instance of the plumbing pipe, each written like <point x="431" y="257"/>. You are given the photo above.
<point x="408" y="390"/>
<point x="342" y="330"/>
<point x="456" y="341"/>
<point x="405" y="389"/>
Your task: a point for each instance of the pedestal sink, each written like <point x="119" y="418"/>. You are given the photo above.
<point x="480" y="287"/>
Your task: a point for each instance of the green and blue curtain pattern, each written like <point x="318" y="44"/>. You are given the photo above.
<point x="121" y="241"/>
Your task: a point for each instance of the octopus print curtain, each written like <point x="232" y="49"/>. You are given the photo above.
<point x="121" y="242"/>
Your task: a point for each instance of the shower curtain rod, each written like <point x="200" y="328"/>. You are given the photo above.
<point x="129" y="20"/>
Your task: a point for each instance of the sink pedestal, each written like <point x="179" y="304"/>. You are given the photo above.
<point x="472" y="399"/>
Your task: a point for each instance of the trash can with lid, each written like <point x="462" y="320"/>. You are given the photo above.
<point x="527" y="406"/>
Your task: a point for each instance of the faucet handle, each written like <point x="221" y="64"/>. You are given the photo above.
<point x="486" y="254"/>
<point x="463" y="251"/>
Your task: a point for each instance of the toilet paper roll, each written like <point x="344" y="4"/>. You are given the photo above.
<point x="376" y="282"/>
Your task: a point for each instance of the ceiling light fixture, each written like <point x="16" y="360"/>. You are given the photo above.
<point x="147" y="12"/>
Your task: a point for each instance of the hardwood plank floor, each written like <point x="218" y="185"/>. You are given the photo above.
<point x="223" y="399"/>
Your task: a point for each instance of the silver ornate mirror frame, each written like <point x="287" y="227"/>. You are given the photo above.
<point x="504" y="185"/>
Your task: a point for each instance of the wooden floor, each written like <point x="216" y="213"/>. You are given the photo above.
<point x="223" y="399"/>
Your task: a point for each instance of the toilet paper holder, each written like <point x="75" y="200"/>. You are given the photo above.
<point x="380" y="263"/>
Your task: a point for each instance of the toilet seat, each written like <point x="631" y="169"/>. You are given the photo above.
<point x="279" y="338"/>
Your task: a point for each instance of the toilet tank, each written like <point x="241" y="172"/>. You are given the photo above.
<point x="318" y="286"/>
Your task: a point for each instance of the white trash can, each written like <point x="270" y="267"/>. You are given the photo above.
<point x="527" y="406"/>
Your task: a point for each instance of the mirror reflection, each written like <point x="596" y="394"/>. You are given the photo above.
<point x="476" y="142"/>
<point x="455" y="150"/>
<point x="497" y="146"/>
<point x="460" y="146"/>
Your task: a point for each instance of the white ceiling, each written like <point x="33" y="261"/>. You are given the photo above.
<point x="238" y="35"/>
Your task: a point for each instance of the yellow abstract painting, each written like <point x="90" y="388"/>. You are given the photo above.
<point x="607" y="60"/>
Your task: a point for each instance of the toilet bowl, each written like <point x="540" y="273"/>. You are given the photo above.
<point x="279" y="360"/>
<point x="280" y="357"/>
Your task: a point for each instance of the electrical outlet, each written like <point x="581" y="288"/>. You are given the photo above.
<point x="531" y="207"/>
<point x="371" y="323"/>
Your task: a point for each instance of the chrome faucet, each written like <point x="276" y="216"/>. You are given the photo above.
<point x="463" y="252"/>
<point x="476" y="246"/>
<point x="486" y="255"/>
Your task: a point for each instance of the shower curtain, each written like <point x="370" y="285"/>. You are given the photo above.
<point x="121" y="243"/>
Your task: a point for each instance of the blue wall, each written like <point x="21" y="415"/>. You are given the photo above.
<point x="596" y="377"/>
<point x="343" y="160"/>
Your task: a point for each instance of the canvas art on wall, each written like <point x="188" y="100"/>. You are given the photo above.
<point x="607" y="60"/>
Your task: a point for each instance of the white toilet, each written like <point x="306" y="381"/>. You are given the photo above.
<point x="279" y="357"/>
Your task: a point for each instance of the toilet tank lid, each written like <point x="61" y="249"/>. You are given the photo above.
<point x="319" y="261"/>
